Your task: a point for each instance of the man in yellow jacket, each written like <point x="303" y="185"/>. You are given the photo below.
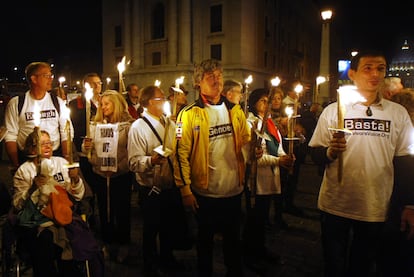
<point x="210" y="166"/>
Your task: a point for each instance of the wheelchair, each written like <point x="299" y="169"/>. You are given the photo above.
<point x="15" y="257"/>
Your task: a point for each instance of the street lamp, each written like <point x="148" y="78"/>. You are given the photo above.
<point x="325" y="54"/>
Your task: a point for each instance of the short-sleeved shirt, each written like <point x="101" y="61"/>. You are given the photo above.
<point x="368" y="160"/>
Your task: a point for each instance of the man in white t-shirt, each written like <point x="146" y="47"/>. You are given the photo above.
<point x="37" y="99"/>
<point x="354" y="209"/>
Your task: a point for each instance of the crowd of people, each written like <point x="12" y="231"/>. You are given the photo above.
<point x="207" y="158"/>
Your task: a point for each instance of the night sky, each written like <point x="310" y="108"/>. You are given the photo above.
<point x="69" y="32"/>
<point x="63" y="32"/>
<point x="372" y="24"/>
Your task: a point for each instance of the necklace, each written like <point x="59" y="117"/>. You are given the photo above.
<point x="368" y="111"/>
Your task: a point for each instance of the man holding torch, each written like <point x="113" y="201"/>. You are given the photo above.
<point x="354" y="209"/>
<point x="210" y="167"/>
<point x="19" y="115"/>
<point x="151" y="140"/>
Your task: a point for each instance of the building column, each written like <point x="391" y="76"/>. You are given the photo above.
<point x="185" y="39"/>
<point x="172" y="33"/>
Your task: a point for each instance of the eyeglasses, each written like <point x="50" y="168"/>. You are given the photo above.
<point x="96" y="83"/>
<point x="159" y="98"/>
<point x="46" y="143"/>
<point x="47" y="76"/>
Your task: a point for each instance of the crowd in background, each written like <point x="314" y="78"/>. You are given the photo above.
<point x="206" y="158"/>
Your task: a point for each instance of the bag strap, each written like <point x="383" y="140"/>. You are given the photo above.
<point x="22" y="97"/>
<point x="158" y="137"/>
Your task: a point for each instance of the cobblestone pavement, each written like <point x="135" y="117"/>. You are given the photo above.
<point x="299" y="246"/>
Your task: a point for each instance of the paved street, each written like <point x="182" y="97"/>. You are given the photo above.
<point x="299" y="246"/>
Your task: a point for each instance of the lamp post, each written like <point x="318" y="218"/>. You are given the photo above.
<point x="325" y="55"/>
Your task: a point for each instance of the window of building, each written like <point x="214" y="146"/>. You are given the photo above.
<point x="156" y="58"/>
<point x="118" y="36"/>
<point x="158" y="18"/>
<point x="215" y="51"/>
<point x="216" y="22"/>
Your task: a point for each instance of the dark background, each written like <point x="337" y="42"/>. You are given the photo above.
<point x="69" y="32"/>
<point x="61" y="32"/>
<point x="382" y="25"/>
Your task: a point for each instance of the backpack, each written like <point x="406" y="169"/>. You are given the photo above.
<point x="22" y="98"/>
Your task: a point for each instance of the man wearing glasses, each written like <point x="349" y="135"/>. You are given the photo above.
<point x="153" y="171"/>
<point x="38" y="103"/>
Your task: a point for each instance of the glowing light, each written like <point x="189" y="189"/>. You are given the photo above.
<point x="179" y="82"/>
<point x="121" y="65"/>
<point x="320" y="80"/>
<point x="289" y="111"/>
<point x="167" y="108"/>
<point x="275" y="81"/>
<point x="62" y="79"/>
<point x="248" y="80"/>
<point x="298" y="88"/>
<point x="88" y="97"/>
<point x="349" y="94"/>
<point x="326" y="14"/>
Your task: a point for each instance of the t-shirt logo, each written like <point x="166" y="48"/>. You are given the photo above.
<point x="43" y="115"/>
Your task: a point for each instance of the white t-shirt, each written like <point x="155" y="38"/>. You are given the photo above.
<point x="222" y="161"/>
<point x="368" y="160"/>
<point x="25" y="174"/>
<point x="20" y="126"/>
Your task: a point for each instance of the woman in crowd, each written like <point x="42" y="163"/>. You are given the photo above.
<point x="280" y="119"/>
<point x="266" y="183"/>
<point x="33" y="181"/>
<point x="107" y="151"/>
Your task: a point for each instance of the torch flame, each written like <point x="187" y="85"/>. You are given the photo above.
<point x="298" y="88"/>
<point x="88" y="92"/>
<point x="121" y="65"/>
<point x="349" y="95"/>
<point x="275" y="81"/>
<point x="167" y="108"/>
<point x="249" y="79"/>
<point x="179" y="82"/>
<point x="289" y="111"/>
<point x="320" y="80"/>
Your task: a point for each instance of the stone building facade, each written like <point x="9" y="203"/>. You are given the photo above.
<point x="162" y="39"/>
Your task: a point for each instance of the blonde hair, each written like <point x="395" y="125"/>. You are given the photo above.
<point x="120" y="107"/>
